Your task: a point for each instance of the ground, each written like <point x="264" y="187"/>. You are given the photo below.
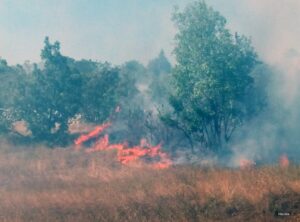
<point x="39" y="184"/>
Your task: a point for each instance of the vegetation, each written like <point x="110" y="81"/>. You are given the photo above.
<point x="200" y="102"/>
<point x="52" y="97"/>
<point x="11" y="89"/>
<point x="65" y="185"/>
<point x="212" y="81"/>
<point x="216" y="88"/>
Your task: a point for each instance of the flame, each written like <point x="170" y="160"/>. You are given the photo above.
<point x="125" y="154"/>
<point x="284" y="161"/>
<point x="246" y="164"/>
<point x="97" y="131"/>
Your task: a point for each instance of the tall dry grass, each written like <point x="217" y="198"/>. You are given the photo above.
<point x="39" y="184"/>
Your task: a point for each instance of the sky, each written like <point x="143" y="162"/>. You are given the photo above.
<point x="122" y="30"/>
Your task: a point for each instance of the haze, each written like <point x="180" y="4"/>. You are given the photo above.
<point x="119" y="31"/>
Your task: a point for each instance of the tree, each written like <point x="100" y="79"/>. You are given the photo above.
<point x="5" y="74"/>
<point x="100" y="95"/>
<point x="160" y="64"/>
<point x="52" y="97"/>
<point x="159" y="70"/>
<point x="131" y="73"/>
<point x="11" y="80"/>
<point x="212" y="81"/>
<point x="129" y="122"/>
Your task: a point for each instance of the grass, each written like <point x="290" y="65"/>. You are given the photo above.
<point x="66" y="185"/>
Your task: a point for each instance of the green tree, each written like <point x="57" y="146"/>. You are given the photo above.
<point x="11" y="80"/>
<point x="160" y="64"/>
<point x="159" y="70"/>
<point x="100" y="95"/>
<point x="212" y="81"/>
<point x="52" y="97"/>
<point x="130" y="74"/>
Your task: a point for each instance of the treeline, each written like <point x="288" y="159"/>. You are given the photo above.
<point x="48" y="96"/>
<point x="216" y="86"/>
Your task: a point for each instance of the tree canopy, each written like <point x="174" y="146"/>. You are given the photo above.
<point x="52" y="97"/>
<point x="212" y="78"/>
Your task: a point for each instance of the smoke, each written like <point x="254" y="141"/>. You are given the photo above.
<point x="120" y="35"/>
<point x="275" y="131"/>
<point x="272" y="25"/>
<point x="274" y="31"/>
<point x="276" y="25"/>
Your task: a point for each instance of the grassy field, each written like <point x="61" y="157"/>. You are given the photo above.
<point x="67" y="185"/>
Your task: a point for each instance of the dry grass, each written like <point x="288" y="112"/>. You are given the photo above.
<point x="65" y="185"/>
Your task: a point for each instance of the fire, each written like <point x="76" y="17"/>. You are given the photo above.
<point x="97" y="131"/>
<point x="246" y="164"/>
<point x="284" y="161"/>
<point x="125" y="154"/>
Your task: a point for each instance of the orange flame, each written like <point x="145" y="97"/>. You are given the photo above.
<point x="127" y="154"/>
<point x="97" y="131"/>
<point x="284" y="161"/>
<point x="246" y="164"/>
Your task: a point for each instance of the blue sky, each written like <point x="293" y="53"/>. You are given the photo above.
<point x="121" y="30"/>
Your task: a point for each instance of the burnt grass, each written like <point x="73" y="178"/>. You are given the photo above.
<point x="65" y="185"/>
